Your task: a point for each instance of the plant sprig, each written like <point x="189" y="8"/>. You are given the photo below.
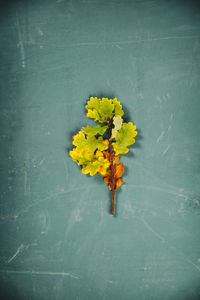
<point x="97" y="148"/>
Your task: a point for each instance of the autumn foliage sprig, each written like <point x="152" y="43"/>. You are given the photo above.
<point x="98" y="147"/>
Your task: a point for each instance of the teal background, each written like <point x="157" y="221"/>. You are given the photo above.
<point x="57" y="239"/>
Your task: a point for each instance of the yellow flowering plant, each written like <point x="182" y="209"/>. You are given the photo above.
<point x="97" y="148"/>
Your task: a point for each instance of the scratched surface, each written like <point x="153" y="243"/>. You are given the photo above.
<point x="57" y="239"/>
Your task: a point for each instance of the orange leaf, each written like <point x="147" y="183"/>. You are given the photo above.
<point x="116" y="159"/>
<point x="107" y="180"/>
<point x="119" y="182"/>
<point x="108" y="173"/>
<point x="119" y="170"/>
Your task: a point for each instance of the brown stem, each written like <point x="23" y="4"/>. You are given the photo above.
<point x="112" y="183"/>
<point x="113" y="199"/>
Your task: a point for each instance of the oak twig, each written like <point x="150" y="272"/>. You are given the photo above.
<point x="97" y="148"/>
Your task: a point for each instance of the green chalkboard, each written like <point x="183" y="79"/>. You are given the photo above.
<point x="57" y="238"/>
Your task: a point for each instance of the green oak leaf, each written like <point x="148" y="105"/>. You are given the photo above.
<point x="124" y="137"/>
<point x="93" y="130"/>
<point x="117" y="107"/>
<point x="103" y="109"/>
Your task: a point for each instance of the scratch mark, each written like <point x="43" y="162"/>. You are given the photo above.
<point x="19" y="250"/>
<point x="62" y="192"/>
<point x="161" y="182"/>
<point x="40" y="31"/>
<point x="152" y="230"/>
<point x="25" y="182"/>
<point x="42" y="200"/>
<point x="45" y="222"/>
<point x="40" y="273"/>
<point x="155" y="188"/>
<point x="186" y="258"/>
<point x="169" y="129"/>
<point x="127" y="42"/>
<point x="172" y="116"/>
<point x="51" y="69"/>
<point x="128" y="207"/>
<point x="191" y="263"/>
<point x="41" y="162"/>
<point x="160" y="137"/>
<point x="77" y="215"/>
<point x="66" y="170"/>
<point x="140" y="96"/>
<point x="159" y="99"/>
<point x="165" y="151"/>
<point x="21" y="43"/>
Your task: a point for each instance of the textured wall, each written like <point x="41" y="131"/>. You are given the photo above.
<point x="57" y="238"/>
